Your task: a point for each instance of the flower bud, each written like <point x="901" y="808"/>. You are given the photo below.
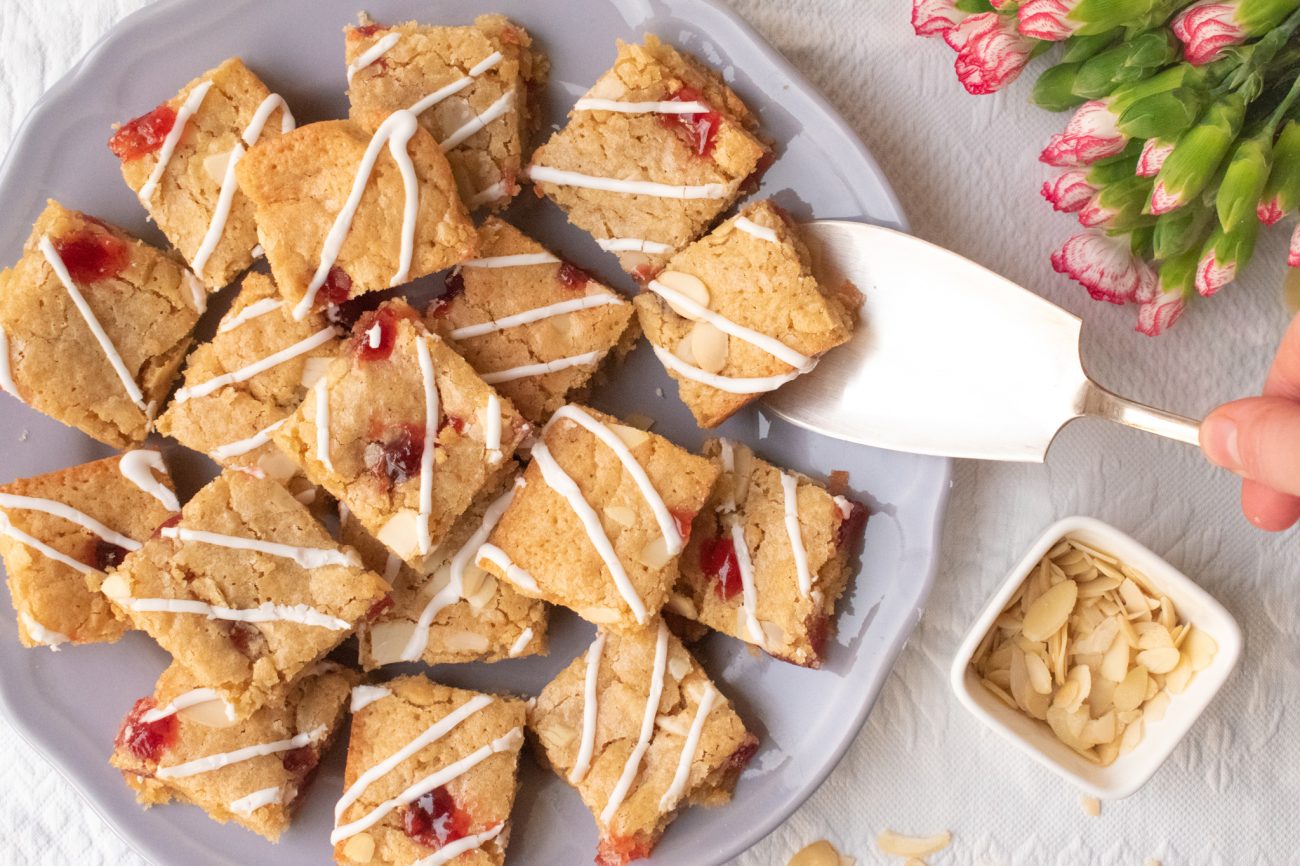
<point x="990" y="52"/>
<point x="1080" y="47"/>
<point x="1118" y="207"/>
<point x="1224" y="254"/>
<point x="1070" y="191"/>
<point x="1105" y="266"/>
<point x="1154" y="153"/>
<point x="935" y="17"/>
<point x="1205" y="29"/>
<point x="1243" y="183"/>
<point x="1282" y="190"/>
<point x="1181" y="230"/>
<point x="1092" y="134"/>
<point x="1054" y="20"/>
<point x="1198" y="154"/>
<point x="1130" y="61"/>
<point x="1054" y="89"/>
<point x="1163" y="105"/>
<point x="1174" y="285"/>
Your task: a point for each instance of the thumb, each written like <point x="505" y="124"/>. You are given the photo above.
<point x="1257" y="438"/>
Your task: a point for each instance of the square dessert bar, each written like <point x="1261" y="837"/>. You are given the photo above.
<point x="345" y="207"/>
<point x="430" y="777"/>
<point x="739" y="313"/>
<point x="475" y="89"/>
<point x="245" y="589"/>
<point x="637" y="727"/>
<point x="768" y="556"/>
<point x="241" y="385"/>
<point x="600" y="519"/>
<point x="453" y="611"/>
<point x="94" y="325"/>
<point x="55" y="529"/>
<point x="535" y="326"/>
<point x="402" y="431"/>
<point x="180" y="161"/>
<point x="184" y="743"/>
<point x="657" y="149"/>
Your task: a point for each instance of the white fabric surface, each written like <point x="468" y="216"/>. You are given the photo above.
<point x="965" y="169"/>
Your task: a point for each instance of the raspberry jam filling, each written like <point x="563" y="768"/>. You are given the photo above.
<point x="455" y="422"/>
<point x="105" y="555"/>
<point x="453" y="286"/>
<point x="718" y="561"/>
<point x="379" y="608"/>
<point x="434" y="819"/>
<point x="368" y="29"/>
<point x="146" y="740"/>
<point x="242" y="634"/>
<point x="751" y="183"/>
<point x="166" y="524"/>
<point x="850" y="527"/>
<point x="336" y="289"/>
<point x="92" y="256"/>
<point x="683" y="520"/>
<point x="573" y="277"/>
<point x="819" y="628"/>
<point x="395" y="455"/>
<point x="300" y="761"/>
<point x="376" y="334"/>
<point x="143" y="135"/>
<point x="742" y="756"/>
<point x="699" y="131"/>
<point x="620" y="850"/>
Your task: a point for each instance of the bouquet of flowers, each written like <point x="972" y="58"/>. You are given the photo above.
<point x="1185" y="136"/>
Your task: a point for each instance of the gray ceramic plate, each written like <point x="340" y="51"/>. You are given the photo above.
<point x="68" y="704"/>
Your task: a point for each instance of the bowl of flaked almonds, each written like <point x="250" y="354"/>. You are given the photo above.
<point x="1095" y="657"/>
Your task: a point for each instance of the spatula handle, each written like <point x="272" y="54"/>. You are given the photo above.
<point x="1100" y="403"/>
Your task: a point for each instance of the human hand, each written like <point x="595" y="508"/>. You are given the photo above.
<point x="1259" y="439"/>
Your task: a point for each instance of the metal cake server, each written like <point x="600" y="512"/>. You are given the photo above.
<point x="949" y="357"/>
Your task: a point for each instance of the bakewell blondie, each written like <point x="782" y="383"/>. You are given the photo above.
<point x="94" y="325"/>
<point x="475" y="89"/>
<point x="55" y="529"/>
<point x="534" y="326"/>
<point x="430" y="776"/>
<point x="184" y="743"/>
<point x="739" y="313"/>
<point x="241" y="385"/>
<point x="345" y="207"/>
<point x="180" y="160"/>
<point x="245" y="589"/>
<point x="600" y="519"/>
<point x="635" y="725"/>
<point x="654" y="152"/>
<point x="768" y="557"/>
<point x="453" y="611"/>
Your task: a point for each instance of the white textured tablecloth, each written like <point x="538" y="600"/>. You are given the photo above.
<point x="966" y="172"/>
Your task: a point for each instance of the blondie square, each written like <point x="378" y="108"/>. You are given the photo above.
<point x="768" y="556"/>
<point x="638" y="729"/>
<point x="657" y="149"/>
<point x="180" y="160"/>
<point x="475" y="89"/>
<point x="55" y="529"/>
<point x="94" y="325"/>
<point x="345" y="207"/>
<point x="600" y="519"/>
<point x="242" y="384"/>
<point x="430" y="777"/>
<point x="739" y="313"/>
<point x="402" y="431"/>
<point x="245" y="589"/>
<point x="184" y="743"/>
<point x="534" y="326"/>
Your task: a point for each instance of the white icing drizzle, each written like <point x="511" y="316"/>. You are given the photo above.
<point x="252" y="311"/>
<point x="220" y="213"/>
<point x="647" y="729"/>
<point x="458" y="85"/>
<point x="845" y="506"/>
<point x="633" y="245"/>
<point x="513" y="573"/>
<point x="253" y="131"/>
<point x="728" y="450"/>
<point x="7" y="528"/>
<point x="790" y="490"/>
<point x="431" y="415"/>
<point x="110" y="351"/>
<point x="192" y="698"/>
<point x="258" y="251"/>
<point x="674" y="792"/>
<point x="521" y="643"/>
<point x="492" y="193"/>
<point x="748" y="226"/>
<point x="396" y="131"/>
<point x="323" y="424"/>
<point x="243" y="374"/>
<point x="759" y="340"/>
<point x="198" y="294"/>
<point x="363" y="696"/>
<point x="508" y="742"/>
<point x="452" y="850"/>
<point x="749" y="594"/>
<point x="139" y="467"/>
<point x="560" y="177"/>
<point x="594" y="103"/>
<point x="225" y="759"/>
<point x="306" y="557"/>
<point x="517" y="260"/>
<point x="243" y="446"/>
<point x="183" y="115"/>
<point x="42" y="635"/>
<point x="559" y="481"/>
<point x="371" y="54"/>
<point x="494" y="111"/>
<point x="536" y="314"/>
<point x="70" y="514"/>
<point x="267" y="611"/>
<point x="492" y="429"/>
<point x="249" y="804"/>
<point x="729" y="384"/>
<point x="6" y="371"/>
<point x="526" y="370"/>
<point x="590" y="695"/>
<point x="612" y="441"/>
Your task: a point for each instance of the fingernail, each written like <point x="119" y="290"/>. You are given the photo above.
<point x="1219" y="440"/>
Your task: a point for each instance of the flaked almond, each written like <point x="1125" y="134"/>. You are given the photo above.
<point x="117" y="585"/>
<point x="1040" y="678"/>
<point x="684" y="351"/>
<point x="620" y="514"/>
<point x="1131" y="737"/>
<point x="463" y="641"/>
<point x="401" y="533"/>
<point x="1091" y="805"/>
<point x="313" y="370"/>
<point x="1154" y="710"/>
<point x="483" y="594"/>
<point x="211" y="714"/>
<point x="360" y="848"/>
<point x="1200" y="649"/>
<point x="1050" y="611"/>
<point x="709" y="346"/>
<point x="561" y="324"/>
<point x="557" y="735"/>
<point x="1159" y="661"/>
<point x="655" y="555"/>
<point x="679" y="666"/>
<point x="687" y="284"/>
<point x="600" y="615"/>
<point x="388" y="640"/>
<point x="820" y="853"/>
<point x="898" y="845"/>
<point x="673" y="724"/>
<point x="1114" y="663"/>
<point x="215" y="165"/>
<point x="631" y="436"/>
<point x="1130" y="693"/>
<point x="683" y="606"/>
<point x="772" y="633"/>
<point x="277" y="465"/>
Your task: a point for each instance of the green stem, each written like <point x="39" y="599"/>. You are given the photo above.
<point x="1283" y="107"/>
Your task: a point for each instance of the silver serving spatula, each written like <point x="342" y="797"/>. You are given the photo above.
<point x="949" y="358"/>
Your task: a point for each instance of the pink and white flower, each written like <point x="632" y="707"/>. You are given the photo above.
<point x="1048" y="19"/>
<point x="1094" y="214"/>
<point x="1207" y="28"/>
<point x="990" y="52"/>
<point x="1163" y="201"/>
<point x="1159" y="314"/>
<point x="1293" y="255"/>
<point x="1212" y="275"/>
<point x="935" y="17"/>
<point x="1154" y="153"/>
<point x="1106" y="267"/>
<point x="1092" y="134"/>
<point x="1069" y="191"/>
<point x="1269" y="210"/>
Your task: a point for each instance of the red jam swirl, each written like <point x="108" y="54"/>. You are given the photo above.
<point x="435" y="820"/>
<point x="699" y="131"/>
<point x="718" y="561"/>
<point x="143" y="135"/>
<point x="146" y="740"/>
<point x="394" y="457"/>
<point x="572" y="277"/>
<point x="92" y="256"/>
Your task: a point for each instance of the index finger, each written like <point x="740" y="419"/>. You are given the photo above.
<point x="1284" y="376"/>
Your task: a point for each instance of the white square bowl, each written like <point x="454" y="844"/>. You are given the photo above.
<point x="1128" y="772"/>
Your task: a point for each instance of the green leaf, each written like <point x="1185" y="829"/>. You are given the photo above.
<point x="1243" y="182"/>
<point x="1080" y="48"/>
<point x="1099" y="16"/>
<point x="974" y="7"/>
<point x="1283" y="185"/>
<point x="1054" y="89"/>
